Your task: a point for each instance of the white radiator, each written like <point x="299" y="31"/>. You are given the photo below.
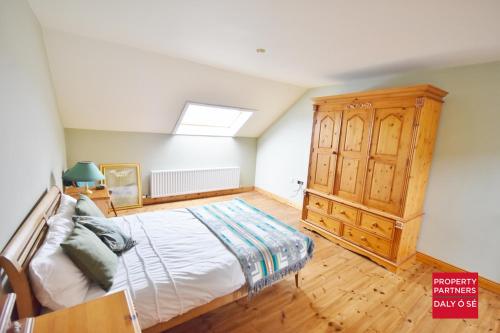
<point x="175" y="182"/>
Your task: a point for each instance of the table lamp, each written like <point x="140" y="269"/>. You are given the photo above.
<point x="84" y="172"/>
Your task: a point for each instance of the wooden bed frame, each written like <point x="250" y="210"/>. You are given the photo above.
<point x="28" y="238"/>
<point x="16" y="256"/>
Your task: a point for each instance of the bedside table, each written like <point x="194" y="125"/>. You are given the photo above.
<point x="102" y="198"/>
<point x="110" y="313"/>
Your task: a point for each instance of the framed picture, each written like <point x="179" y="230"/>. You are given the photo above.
<point x="124" y="182"/>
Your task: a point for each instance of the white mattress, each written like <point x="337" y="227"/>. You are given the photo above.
<point x="177" y="265"/>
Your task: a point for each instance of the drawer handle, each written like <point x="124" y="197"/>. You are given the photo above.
<point x="322" y="221"/>
<point x="350" y="233"/>
<point x="319" y="204"/>
<point x="363" y="238"/>
<point x="375" y="225"/>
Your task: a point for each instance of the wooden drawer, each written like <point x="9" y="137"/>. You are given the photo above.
<point x="318" y="203"/>
<point x="324" y="222"/>
<point x="378" y="225"/>
<point x="344" y="213"/>
<point x="366" y="240"/>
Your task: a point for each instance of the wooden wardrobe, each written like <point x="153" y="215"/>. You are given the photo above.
<point x="370" y="158"/>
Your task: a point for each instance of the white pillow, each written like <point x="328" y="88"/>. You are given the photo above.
<point x="66" y="210"/>
<point x="67" y="206"/>
<point x="55" y="280"/>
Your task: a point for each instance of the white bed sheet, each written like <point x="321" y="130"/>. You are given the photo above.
<point x="177" y="265"/>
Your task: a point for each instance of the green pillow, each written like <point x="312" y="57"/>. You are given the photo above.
<point x="91" y="256"/>
<point x="86" y="207"/>
<point x="108" y="232"/>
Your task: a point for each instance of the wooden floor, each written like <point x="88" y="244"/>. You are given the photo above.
<point x="340" y="292"/>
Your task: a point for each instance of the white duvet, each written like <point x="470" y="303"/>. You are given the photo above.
<point x="177" y="265"/>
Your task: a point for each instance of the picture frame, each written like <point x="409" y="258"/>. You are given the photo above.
<point x="123" y="180"/>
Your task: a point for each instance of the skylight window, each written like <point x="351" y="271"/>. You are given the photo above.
<point x="204" y="119"/>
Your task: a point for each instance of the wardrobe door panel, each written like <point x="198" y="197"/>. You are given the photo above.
<point x="324" y="151"/>
<point x="382" y="175"/>
<point x="391" y="139"/>
<point x="353" y="154"/>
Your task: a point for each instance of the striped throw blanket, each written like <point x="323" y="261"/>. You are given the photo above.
<point x="266" y="248"/>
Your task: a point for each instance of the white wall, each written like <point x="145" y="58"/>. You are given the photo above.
<point x="462" y="216"/>
<point x="106" y="86"/>
<point x="162" y="151"/>
<point x="31" y="134"/>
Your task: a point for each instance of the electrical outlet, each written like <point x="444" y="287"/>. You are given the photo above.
<point x="300" y="182"/>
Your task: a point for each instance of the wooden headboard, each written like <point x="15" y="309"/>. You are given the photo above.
<point x="16" y="256"/>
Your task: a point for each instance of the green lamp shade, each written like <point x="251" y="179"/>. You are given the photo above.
<point x="83" y="172"/>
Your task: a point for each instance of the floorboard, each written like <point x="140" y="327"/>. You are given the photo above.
<point x="340" y="292"/>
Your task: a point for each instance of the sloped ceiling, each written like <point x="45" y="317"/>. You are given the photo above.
<point x="308" y="43"/>
<point x="106" y="86"/>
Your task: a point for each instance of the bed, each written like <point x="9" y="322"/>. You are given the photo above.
<point x="190" y="270"/>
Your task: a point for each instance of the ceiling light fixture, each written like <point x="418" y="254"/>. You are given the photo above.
<point x="260" y="50"/>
